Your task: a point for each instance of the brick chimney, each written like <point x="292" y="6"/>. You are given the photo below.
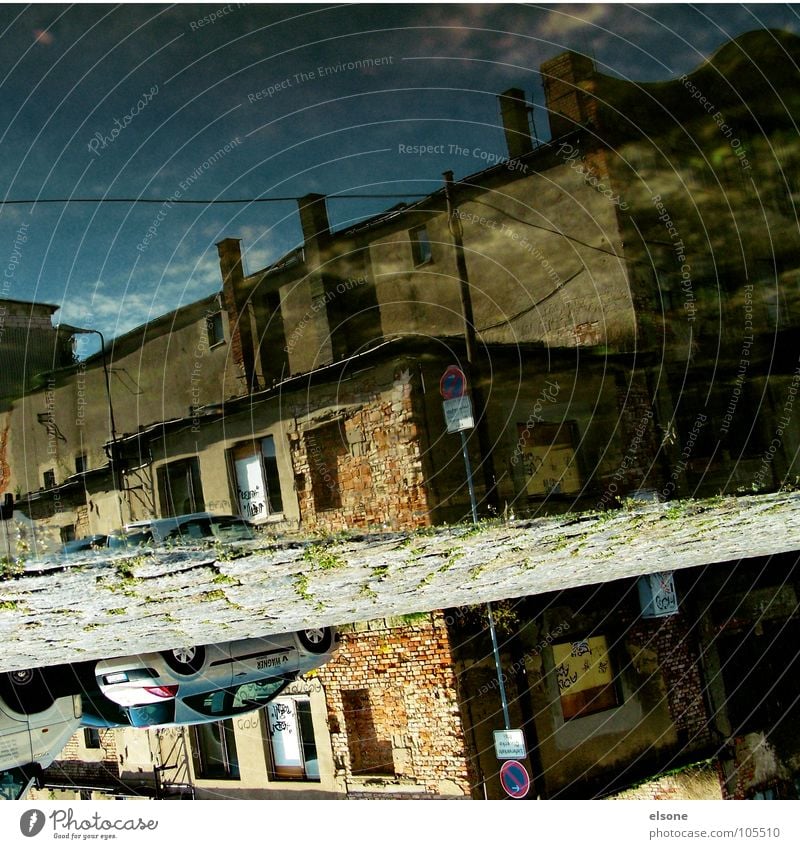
<point x="514" y="112"/>
<point x="567" y="92"/>
<point x="313" y="217"/>
<point x="234" y="298"/>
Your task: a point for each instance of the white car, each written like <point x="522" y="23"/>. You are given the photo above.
<point x="30" y="736"/>
<point x="184" y="672"/>
<point x="186" y="528"/>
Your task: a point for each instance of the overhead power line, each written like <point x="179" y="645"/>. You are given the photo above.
<point x="189" y="201"/>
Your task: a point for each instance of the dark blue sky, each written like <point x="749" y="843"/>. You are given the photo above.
<point x="178" y="89"/>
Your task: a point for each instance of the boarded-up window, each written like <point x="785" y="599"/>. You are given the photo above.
<point x="368" y="741"/>
<point x="326" y="446"/>
<point x="258" y="489"/>
<point x="585" y="677"/>
<point x="179" y="488"/>
<point x="548" y="454"/>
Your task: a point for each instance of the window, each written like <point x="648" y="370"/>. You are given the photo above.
<point x="179" y="488"/>
<point x="258" y="486"/>
<point x="49" y="479"/>
<point x="370" y="728"/>
<point x="585" y="677"/>
<point x="420" y="245"/>
<point x="214" y="751"/>
<point x="291" y="734"/>
<point x="80" y="464"/>
<point x="325" y="445"/>
<point x="67" y="533"/>
<point x="91" y="738"/>
<point x="215" y="328"/>
<point x="548" y="457"/>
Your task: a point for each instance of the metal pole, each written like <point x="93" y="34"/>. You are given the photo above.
<point x="492" y="632"/>
<point x="473" y="504"/>
<point x="470" y="341"/>
<point x="496" y="650"/>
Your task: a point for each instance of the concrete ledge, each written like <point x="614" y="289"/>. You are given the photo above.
<point x="100" y="607"/>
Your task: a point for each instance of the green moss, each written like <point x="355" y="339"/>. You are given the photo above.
<point x="321" y="557"/>
<point x="117" y="611"/>
<point x="9" y="605"/>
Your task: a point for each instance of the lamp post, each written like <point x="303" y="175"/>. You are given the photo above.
<point x="112" y="457"/>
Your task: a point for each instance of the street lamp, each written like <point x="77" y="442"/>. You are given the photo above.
<point x="112" y="457"/>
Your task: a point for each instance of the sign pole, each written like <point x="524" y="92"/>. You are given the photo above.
<point x="468" y="465"/>
<point x="496" y="649"/>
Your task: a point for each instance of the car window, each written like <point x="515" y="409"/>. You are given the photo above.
<point x="234" y="700"/>
<point x="231" y="529"/>
<point x="130" y="539"/>
<point x="159" y="713"/>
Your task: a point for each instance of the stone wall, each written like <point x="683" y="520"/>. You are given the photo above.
<point x="393" y="712"/>
<point x="699" y="781"/>
<point x="81" y="765"/>
<point x="678" y="663"/>
<point x="363" y="467"/>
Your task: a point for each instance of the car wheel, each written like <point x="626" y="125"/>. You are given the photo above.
<point x="316" y="640"/>
<point x="25" y="691"/>
<point x="186" y="659"/>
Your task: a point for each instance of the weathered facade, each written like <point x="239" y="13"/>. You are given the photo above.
<point x="381" y="720"/>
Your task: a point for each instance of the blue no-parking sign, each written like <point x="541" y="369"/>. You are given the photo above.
<point x="515" y="779"/>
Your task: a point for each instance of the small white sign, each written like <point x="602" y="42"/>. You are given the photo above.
<point x="509" y="744"/>
<point x="657" y="595"/>
<point x="458" y="414"/>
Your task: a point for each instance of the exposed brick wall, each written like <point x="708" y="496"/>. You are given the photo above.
<point x="391" y="696"/>
<point x="695" y="782"/>
<point x="639" y="436"/>
<point x="364" y="468"/>
<point x="72" y="768"/>
<point x="669" y="637"/>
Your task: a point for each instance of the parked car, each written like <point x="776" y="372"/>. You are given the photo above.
<point x="192" y="526"/>
<point x="187" y="672"/>
<point x="85" y="544"/>
<point x="211" y="706"/>
<point x="36" y="737"/>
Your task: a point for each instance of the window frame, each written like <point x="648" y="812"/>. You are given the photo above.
<point x="269" y="473"/>
<point x="282" y="772"/>
<point x="215" y="339"/>
<point x="419" y="255"/>
<point x="613" y="688"/>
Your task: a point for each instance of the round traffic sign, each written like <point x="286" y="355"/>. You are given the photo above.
<point x="515" y="779"/>
<point x="453" y="383"/>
